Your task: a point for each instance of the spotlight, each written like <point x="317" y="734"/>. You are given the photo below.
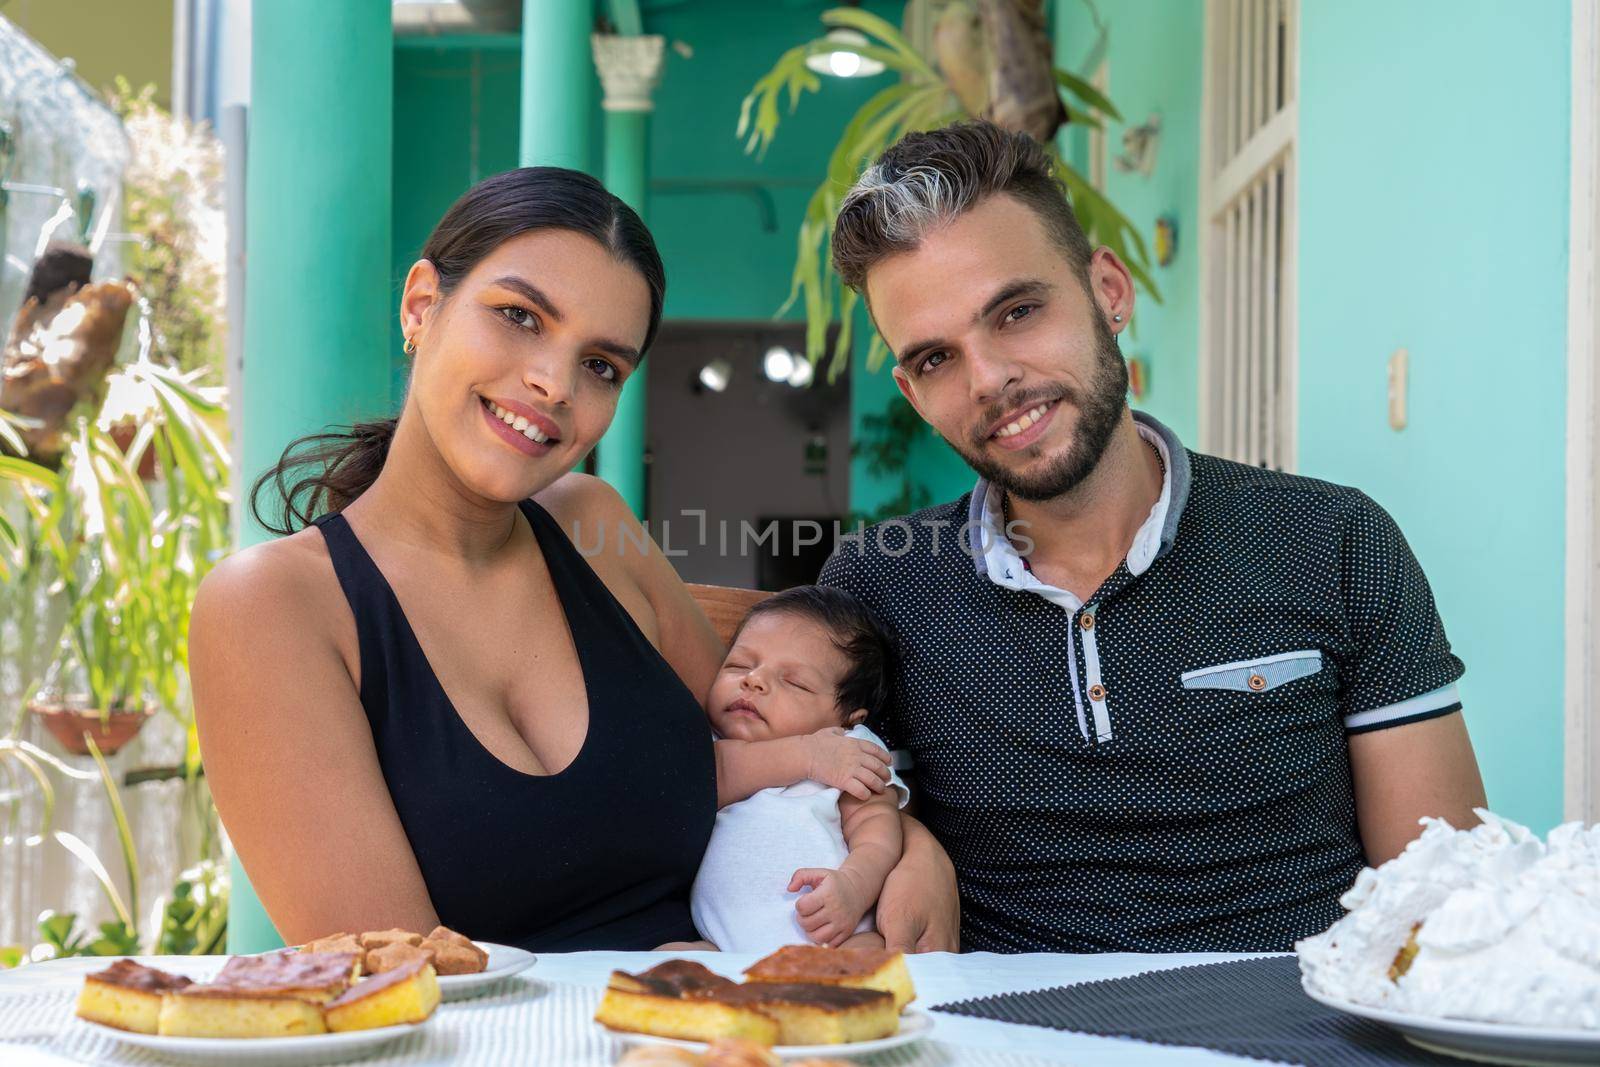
<point x="714" y="375"/>
<point x="801" y="376"/>
<point x="844" y="61"/>
<point x="778" y="363"/>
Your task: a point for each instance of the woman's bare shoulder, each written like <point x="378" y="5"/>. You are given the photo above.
<point x="285" y="582"/>
<point x="583" y="497"/>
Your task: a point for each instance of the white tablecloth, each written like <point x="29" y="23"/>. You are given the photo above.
<point x="544" y="1016"/>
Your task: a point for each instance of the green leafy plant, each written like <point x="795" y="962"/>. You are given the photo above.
<point x="930" y="93"/>
<point x="886" y="440"/>
<point x="127" y="557"/>
<point x="173" y="193"/>
<point x="195" y="920"/>
<point x="61" y="934"/>
<point x="100" y="559"/>
<point x="118" y="559"/>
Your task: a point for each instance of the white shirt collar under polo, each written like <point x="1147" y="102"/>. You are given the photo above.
<point x="994" y="553"/>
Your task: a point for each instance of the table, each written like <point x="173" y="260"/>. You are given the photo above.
<point x="544" y="1016"/>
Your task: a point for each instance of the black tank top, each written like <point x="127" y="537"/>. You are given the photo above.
<point x="599" y="856"/>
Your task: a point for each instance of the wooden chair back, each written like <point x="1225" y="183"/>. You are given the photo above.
<point x="725" y="606"/>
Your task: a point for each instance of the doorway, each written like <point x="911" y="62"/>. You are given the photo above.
<point x="748" y="469"/>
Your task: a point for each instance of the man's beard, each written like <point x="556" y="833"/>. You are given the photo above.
<point x="1098" y="413"/>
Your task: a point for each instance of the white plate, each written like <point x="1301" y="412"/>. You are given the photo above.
<point x="312" y="1048"/>
<point x="1529" y="1046"/>
<point x="914" y="1026"/>
<point x="504" y="961"/>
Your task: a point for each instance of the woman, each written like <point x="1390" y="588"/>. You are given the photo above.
<point x="426" y="706"/>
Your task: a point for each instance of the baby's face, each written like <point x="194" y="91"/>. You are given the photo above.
<point x="781" y="679"/>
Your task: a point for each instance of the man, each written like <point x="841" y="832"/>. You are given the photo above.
<point x="1156" y="701"/>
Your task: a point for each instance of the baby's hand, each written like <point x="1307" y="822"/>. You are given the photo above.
<point x="848" y="764"/>
<point x="830" y="913"/>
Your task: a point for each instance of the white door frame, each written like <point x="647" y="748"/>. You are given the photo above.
<point x="1221" y="180"/>
<point x="1582" y="683"/>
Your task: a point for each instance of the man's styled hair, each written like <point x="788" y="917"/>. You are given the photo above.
<point x="855" y="629"/>
<point x="925" y="180"/>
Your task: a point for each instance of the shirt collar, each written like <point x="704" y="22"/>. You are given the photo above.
<point x="994" y="555"/>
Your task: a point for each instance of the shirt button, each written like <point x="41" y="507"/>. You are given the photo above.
<point x="1097" y="693"/>
<point x="1086" y="620"/>
<point x="1257" y="682"/>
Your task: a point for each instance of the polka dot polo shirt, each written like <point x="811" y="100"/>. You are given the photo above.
<point x="1162" y="768"/>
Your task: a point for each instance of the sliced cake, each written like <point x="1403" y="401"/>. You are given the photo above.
<point x="658" y="1002"/>
<point x="380" y="938"/>
<point x="396" y="955"/>
<point x="815" y="1014"/>
<point x="673" y="978"/>
<point x="406" y="994"/>
<point x="313" y="976"/>
<point x="858" y="968"/>
<point x="234" y="1011"/>
<point x="449" y="936"/>
<point x="345" y="943"/>
<point x="127" y="995"/>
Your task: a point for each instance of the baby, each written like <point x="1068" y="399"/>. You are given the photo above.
<point x="809" y="826"/>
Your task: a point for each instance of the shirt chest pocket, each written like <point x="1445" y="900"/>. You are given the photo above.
<point x="1256" y="675"/>
<point x="1261" y="717"/>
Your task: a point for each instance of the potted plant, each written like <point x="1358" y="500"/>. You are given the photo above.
<point x="128" y="557"/>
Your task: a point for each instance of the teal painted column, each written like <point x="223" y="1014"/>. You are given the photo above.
<point x="630" y="67"/>
<point x="317" y="232"/>
<point x="557" y="85"/>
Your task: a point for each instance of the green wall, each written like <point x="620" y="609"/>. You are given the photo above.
<point x="1152" y="54"/>
<point x="1433" y="215"/>
<point x="455" y="121"/>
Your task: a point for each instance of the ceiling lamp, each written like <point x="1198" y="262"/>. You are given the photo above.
<point x="844" y="61"/>
<point x="800" y="377"/>
<point x="714" y="375"/>
<point x="778" y="363"/>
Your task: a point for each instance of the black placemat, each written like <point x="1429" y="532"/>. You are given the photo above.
<point x="1252" y="1008"/>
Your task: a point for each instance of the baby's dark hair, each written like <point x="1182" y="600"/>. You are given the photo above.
<point x="856" y="630"/>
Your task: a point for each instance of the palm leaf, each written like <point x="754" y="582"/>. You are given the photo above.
<point x="22" y="470"/>
<point x="130" y="855"/>
<point x="1087" y="93"/>
<point x="80" y="848"/>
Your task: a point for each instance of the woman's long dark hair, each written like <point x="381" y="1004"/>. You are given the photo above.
<point x="324" y="472"/>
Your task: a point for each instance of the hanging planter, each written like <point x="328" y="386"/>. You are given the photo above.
<point x="72" y="727"/>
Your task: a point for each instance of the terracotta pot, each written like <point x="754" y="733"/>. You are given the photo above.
<point x="123" y="434"/>
<point x="69" y="725"/>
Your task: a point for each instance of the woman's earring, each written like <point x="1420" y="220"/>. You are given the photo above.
<point x="1116" y="318"/>
<point x="410" y="347"/>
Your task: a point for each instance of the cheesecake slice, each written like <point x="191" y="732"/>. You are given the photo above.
<point x="673" y="978"/>
<point x="233" y="1011"/>
<point x="662" y="1001"/>
<point x="314" y="976"/>
<point x="815" y="1014"/>
<point x="127" y="995"/>
<point x="855" y="968"/>
<point x="406" y="994"/>
<point x="685" y="1018"/>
